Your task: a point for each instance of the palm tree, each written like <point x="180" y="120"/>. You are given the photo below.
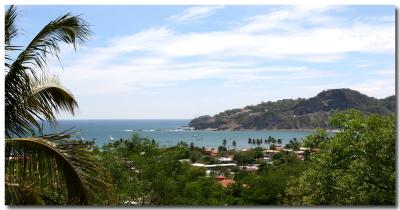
<point x="234" y="144"/>
<point x="249" y="141"/>
<point x="45" y="168"/>
<point x="279" y="141"/>
<point x="269" y="139"/>
<point x="294" y="144"/>
<point x="224" y="142"/>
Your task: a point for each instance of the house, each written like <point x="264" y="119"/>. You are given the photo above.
<point x="184" y="160"/>
<point x="225" y="182"/>
<point x="214" y="165"/>
<point x="315" y="150"/>
<point x="268" y="159"/>
<point x="225" y="159"/>
<point x="252" y="168"/>
<point x="269" y="152"/>
<point x="212" y="152"/>
<point x="304" y="148"/>
<point x="300" y="154"/>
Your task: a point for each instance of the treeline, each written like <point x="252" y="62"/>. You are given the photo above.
<point x="296" y="113"/>
<point x="354" y="167"/>
<point x="145" y="174"/>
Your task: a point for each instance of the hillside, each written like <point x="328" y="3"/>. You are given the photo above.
<point x="295" y="113"/>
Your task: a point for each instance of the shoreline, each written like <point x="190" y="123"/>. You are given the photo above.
<point x="288" y="129"/>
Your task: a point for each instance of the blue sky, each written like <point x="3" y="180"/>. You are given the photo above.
<point x="180" y="62"/>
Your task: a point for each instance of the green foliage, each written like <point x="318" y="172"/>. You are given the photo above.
<point x="144" y="174"/>
<point x="293" y="144"/>
<point x="356" y="167"/>
<point x="268" y="186"/>
<point x="248" y="157"/>
<point x="195" y="156"/>
<point x="314" y="140"/>
<point x="296" y="113"/>
<point x="284" y="157"/>
<point x="243" y="158"/>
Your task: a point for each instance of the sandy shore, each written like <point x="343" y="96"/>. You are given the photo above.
<point x="304" y="129"/>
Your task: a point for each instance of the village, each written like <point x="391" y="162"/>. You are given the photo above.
<point x="223" y="163"/>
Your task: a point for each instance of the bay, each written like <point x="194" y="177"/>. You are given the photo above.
<point x="166" y="132"/>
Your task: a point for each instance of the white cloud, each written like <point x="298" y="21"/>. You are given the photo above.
<point x="379" y="88"/>
<point x="382" y="73"/>
<point x="195" y="13"/>
<point x="321" y="43"/>
<point x="160" y="57"/>
<point x="288" y="18"/>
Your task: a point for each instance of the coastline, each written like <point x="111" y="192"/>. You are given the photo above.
<point x="276" y="129"/>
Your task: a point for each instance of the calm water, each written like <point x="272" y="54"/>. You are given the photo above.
<point x="166" y="132"/>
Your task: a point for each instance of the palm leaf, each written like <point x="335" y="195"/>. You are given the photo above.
<point x="21" y="73"/>
<point x="63" y="171"/>
<point x="48" y="98"/>
<point x="67" y="28"/>
<point x="10" y="30"/>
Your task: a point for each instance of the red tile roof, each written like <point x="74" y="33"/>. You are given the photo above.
<point x="226" y="182"/>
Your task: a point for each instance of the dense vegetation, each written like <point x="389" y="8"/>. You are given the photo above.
<point x="357" y="166"/>
<point x="296" y="113"/>
<point x="354" y="167"/>
<point x="145" y="174"/>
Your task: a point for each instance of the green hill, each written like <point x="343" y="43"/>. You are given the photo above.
<point x="295" y="113"/>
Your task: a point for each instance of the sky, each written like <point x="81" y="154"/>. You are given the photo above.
<point x="180" y="62"/>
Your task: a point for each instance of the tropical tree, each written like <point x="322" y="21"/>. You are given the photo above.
<point x="234" y="144"/>
<point x="43" y="168"/>
<point x="279" y="141"/>
<point x="293" y="144"/>
<point x="224" y="142"/>
<point x="270" y="139"/>
<point x="313" y="141"/>
<point x="357" y="166"/>
<point x="249" y="141"/>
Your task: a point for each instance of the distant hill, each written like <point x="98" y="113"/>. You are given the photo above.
<point x="295" y="113"/>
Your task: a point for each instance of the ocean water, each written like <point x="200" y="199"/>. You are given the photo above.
<point x="165" y="132"/>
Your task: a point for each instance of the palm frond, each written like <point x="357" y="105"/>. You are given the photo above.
<point x="47" y="98"/>
<point x="67" y="28"/>
<point x="17" y="194"/>
<point x="63" y="170"/>
<point x="50" y="97"/>
<point x="20" y="74"/>
<point x="10" y="30"/>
